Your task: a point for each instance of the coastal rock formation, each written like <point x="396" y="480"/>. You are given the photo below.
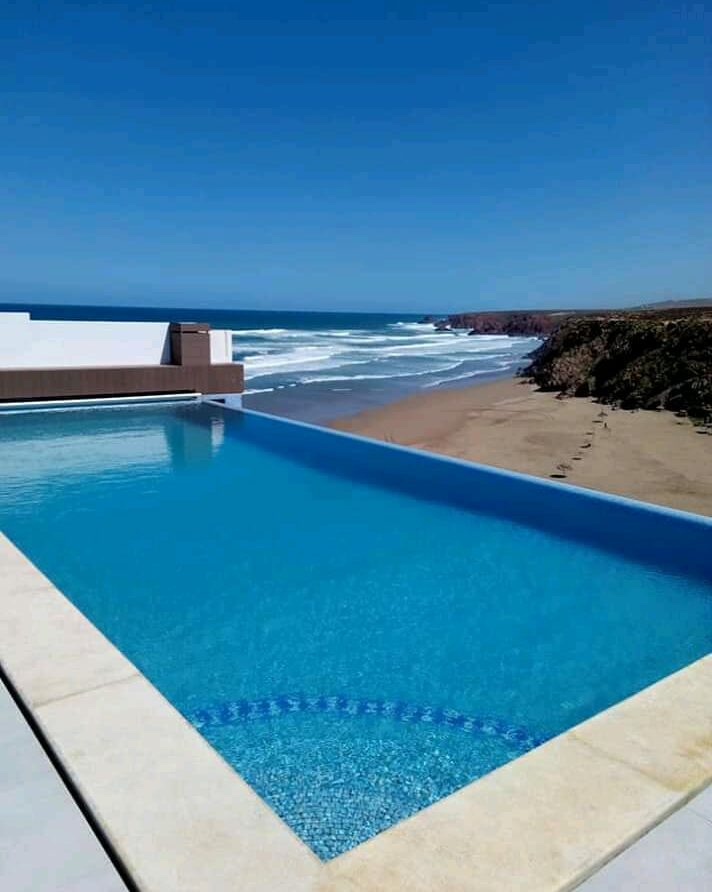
<point x="527" y="324"/>
<point x="438" y="324"/>
<point x="540" y="323"/>
<point x="634" y="360"/>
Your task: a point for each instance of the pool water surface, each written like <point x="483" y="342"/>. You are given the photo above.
<point x="355" y="650"/>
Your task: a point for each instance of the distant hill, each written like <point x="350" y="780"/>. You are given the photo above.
<point x="676" y="304"/>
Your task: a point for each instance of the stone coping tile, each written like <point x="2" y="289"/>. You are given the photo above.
<point x="181" y="818"/>
<point x="45" y="642"/>
<point x="534" y="824"/>
<point x="664" y="731"/>
<point x="177" y="814"/>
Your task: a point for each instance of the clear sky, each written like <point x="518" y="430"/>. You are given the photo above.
<point x="356" y="155"/>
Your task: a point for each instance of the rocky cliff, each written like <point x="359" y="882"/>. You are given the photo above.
<point x="515" y="322"/>
<point x="540" y="323"/>
<point x="635" y="360"/>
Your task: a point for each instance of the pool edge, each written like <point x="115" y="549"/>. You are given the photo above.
<point x="542" y="483"/>
<point x="547" y="820"/>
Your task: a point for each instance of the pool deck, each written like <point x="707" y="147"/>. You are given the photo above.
<point x="676" y="856"/>
<point x="179" y="817"/>
<point x="46" y="844"/>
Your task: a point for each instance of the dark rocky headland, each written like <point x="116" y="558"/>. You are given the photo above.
<point x="650" y="359"/>
<point x="657" y="356"/>
<point x="527" y="323"/>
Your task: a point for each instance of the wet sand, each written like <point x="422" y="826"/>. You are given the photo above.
<point x="652" y="456"/>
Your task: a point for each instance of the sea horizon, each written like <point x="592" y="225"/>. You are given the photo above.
<point x="317" y="366"/>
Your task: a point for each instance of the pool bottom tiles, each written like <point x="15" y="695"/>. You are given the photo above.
<point x="339" y="770"/>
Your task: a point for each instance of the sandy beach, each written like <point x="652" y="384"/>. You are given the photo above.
<point x="652" y="456"/>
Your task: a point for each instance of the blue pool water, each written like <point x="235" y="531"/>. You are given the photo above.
<point x="358" y="631"/>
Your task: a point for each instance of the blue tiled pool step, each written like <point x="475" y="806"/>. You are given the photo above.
<point x="235" y="711"/>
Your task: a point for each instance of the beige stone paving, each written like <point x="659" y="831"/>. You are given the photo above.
<point x="181" y="818"/>
<point x="37" y="619"/>
<point x="664" y="732"/>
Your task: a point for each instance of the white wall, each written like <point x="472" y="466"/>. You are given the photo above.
<point x="220" y="346"/>
<point x="38" y="343"/>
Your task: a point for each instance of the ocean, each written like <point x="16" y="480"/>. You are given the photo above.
<point x="317" y="366"/>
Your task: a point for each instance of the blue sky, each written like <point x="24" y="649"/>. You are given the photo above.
<point x="376" y="156"/>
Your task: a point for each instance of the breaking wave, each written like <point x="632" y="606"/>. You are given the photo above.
<point x="397" y="357"/>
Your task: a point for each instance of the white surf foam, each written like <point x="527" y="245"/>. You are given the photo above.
<point x="278" y="357"/>
<point x="259" y="332"/>
<point x="472" y="373"/>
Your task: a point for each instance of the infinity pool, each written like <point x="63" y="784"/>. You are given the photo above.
<point x="357" y="629"/>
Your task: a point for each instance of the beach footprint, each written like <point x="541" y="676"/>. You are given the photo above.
<point x="562" y="470"/>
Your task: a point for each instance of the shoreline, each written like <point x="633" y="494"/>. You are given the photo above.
<point x="646" y="455"/>
<point x="324" y="405"/>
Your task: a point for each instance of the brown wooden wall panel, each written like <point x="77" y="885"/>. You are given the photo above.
<point x="68" y="383"/>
